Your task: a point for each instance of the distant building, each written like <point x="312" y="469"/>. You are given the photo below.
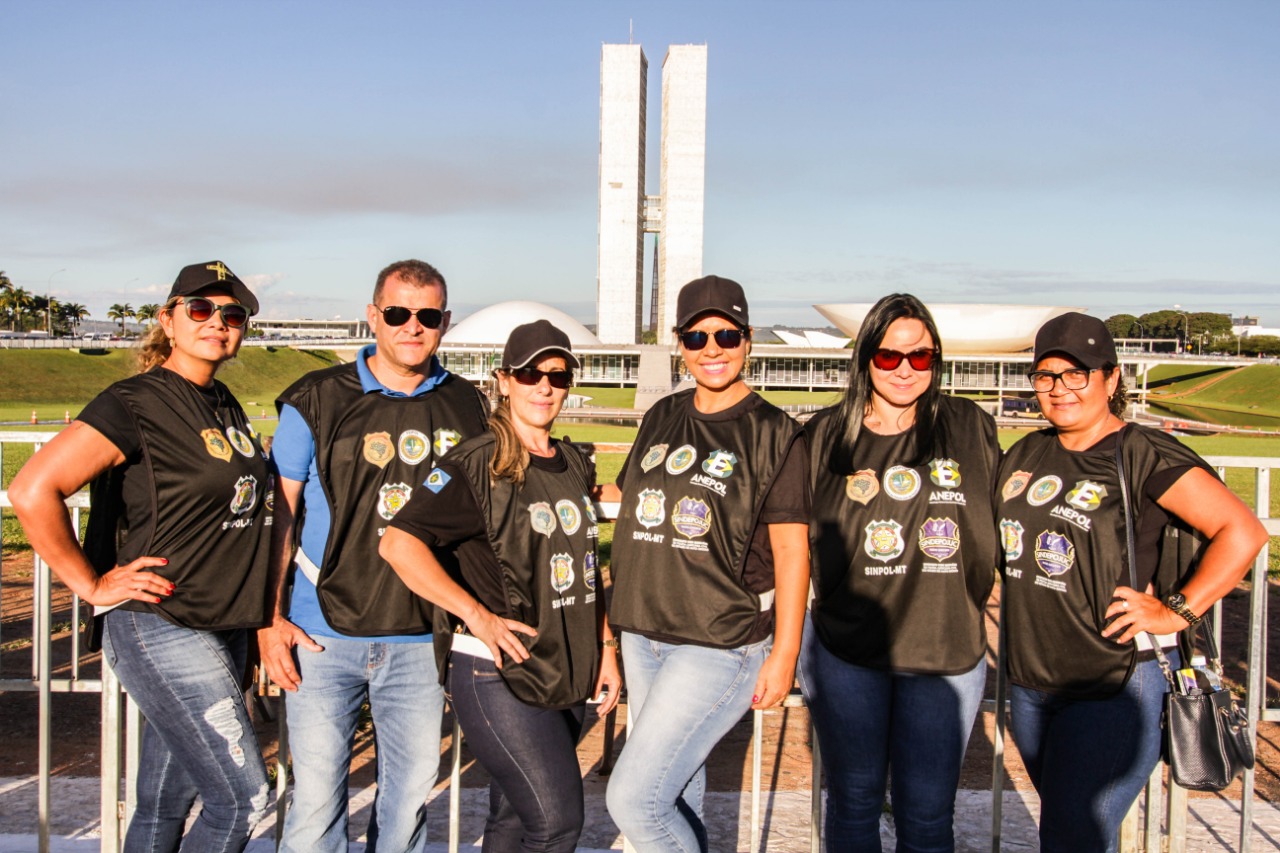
<point x="312" y="328"/>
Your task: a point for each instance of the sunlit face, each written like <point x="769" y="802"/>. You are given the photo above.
<point x="212" y="340"/>
<point x="1076" y="410"/>
<point x="535" y="405"/>
<point x="410" y="346"/>
<point x="714" y="367"/>
<point x="904" y="385"/>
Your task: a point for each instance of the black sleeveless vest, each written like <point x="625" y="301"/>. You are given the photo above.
<point x="691" y="499"/>
<point x="210" y="487"/>
<point x="544" y="536"/>
<point x="372" y="451"/>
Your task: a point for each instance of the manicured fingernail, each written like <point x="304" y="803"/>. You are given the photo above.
<point x="166" y="560"/>
<point x="755" y="698"/>
<point x="157" y="601"/>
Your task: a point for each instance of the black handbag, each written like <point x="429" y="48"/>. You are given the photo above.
<point x="1206" y="732"/>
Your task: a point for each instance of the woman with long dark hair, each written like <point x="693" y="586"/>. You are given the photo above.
<point x="903" y="559"/>
<point x="174" y="559"/>
<point x="521" y="611"/>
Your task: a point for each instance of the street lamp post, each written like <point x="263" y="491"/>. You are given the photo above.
<point x="48" y="304"/>
<point x="1186" y="328"/>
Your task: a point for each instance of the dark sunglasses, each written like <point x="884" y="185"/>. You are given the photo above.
<point x="397" y="315"/>
<point x="725" y="338"/>
<point x="532" y="376"/>
<point x="199" y="309"/>
<point x="889" y="359"/>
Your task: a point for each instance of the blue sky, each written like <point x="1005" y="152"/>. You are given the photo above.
<point x="1120" y="155"/>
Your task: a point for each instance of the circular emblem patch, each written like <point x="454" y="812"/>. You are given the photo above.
<point x="570" y="516"/>
<point x="1044" y="490"/>
<point x="392" y="498"/>
<point x="246" y="496"/>
<point x="901" y="483"/>
<point x="691" y="518"/>
<point x="884" y="540"/>
<point x="561" y="572"/>
<point x="651" y="509"/>
<point x="240" y="441"/>
<point x="680" y="460"/>
<point x="542" y="518"/>
<point x="378" y="448"/>
<point x="412" y="446"/>
<point x="862" y="486"/>
<point x="653" y="458"/>
<point x="216" y="444"/>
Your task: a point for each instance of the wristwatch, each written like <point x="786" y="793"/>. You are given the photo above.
<point x="611" y="643"/>
<point x="1177" y="602"/>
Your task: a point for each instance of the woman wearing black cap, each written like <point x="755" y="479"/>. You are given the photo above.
<point x="521" y="605"/>
<point x="1087" y="689"/>
<point x="174" y="559"/>
<point x="904" y="558"/>
<point x="710" y="571"/>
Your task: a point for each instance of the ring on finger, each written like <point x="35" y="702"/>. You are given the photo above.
<point x="1124" y="602"/>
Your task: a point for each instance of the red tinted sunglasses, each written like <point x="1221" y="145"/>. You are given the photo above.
<point x="889" y="359"/>
<point x="200" y="310"/>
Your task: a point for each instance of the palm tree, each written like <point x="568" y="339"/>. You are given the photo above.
<point x="121" y="312"/>
<point x="147" y="313"/>
<point x="5" y="282"/>
<point x="72" y="313"/>
<point x="17" y="304"/>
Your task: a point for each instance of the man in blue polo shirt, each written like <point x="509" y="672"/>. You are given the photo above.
<point x="354" y="442"/>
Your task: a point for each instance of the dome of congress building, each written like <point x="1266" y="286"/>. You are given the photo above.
<point x="492" y="325"/>
<point x="965" y="328"/>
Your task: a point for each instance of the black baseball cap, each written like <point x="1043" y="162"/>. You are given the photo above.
<point x="1079" y="336"/>
<point x="711" y="294"/>
<point x="196" y="277"/>
<point x="532" y="340"/>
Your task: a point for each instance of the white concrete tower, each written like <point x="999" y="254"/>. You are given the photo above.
<point x="620" y="227"/>
<point x="683" y="177"/>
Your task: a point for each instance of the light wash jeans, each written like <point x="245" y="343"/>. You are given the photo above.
<point x="683" y="700"/>
<point x="871" y="722"/>
<point x="198" y="738"/>
<point x="406" y="702"/>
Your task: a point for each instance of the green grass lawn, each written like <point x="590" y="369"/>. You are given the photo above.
<point x="608" y="398"/>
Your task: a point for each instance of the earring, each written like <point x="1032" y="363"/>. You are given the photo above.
<point x="170" y="339"/>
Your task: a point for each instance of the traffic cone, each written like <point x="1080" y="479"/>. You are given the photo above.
<point x="33" y="417"/>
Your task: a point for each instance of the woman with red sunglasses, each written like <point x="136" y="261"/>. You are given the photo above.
<point x="174" y="559"/>
<point x="903" y="549"/>
<point x="709" y="571"/>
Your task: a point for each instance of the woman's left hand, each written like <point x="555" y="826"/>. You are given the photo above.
<point x="776" y="678"/>
<point x="609" y="682"/>
<point x="1135" y="612"/>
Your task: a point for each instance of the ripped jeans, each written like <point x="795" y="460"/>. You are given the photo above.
<point x="198" y="739"/>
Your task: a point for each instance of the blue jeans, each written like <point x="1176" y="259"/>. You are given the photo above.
<point x="1089" y="758"/>
<point x="406" y="702"/>
<point x="198" y="738"/>
<point x="535" y="791"/>
<point x="871" y="720"/>
<point x="683" y="699"/>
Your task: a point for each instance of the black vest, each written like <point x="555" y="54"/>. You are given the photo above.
<point x="904" y="556"/>
<point x="372" y="451"/>
<point x="211" y="491"/>
<point x="1063" y="537"/>
<point x="544" y="536"/>
<point x="691" y="499"/>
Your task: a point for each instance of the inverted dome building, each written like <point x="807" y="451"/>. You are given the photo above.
<point x="965" y="329"/>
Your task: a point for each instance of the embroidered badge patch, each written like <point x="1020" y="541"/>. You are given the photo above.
<point x="719" y="464"/>
<point x="1087" y="495"/>
<point x="445" y="439"/>
<point x="542" y="518"/>
<point x="651" y="509"/>
<point x="378" y="448"/>
<point x="570" y="516"/>
<point x="246" y="495"/>
<point x="590" y="509"/>
<point x="1054" y="553"/>
<point x="1044" y="490"/>
<point x="241" y="442"/>
<point x="216" y="444"/>
<point x="862" y="486"/>
<point x="589" y="570"/>
<point x="653" y="458"/>
<point x="561" y="572"/>
<point x="412" y="446"/>
<point x="392" y="498"/>
<point x="902" y="483"/>
<point x="884" y="540"/>
<point x="680" y="459"/>
<point x="269" y="499"/>
<point x="1011" y="538"/>
<point x="691" y="518"/>
<point x="945" y="473"/>
<point x="1015" y="484"/>
<point x="437" y="480"/>
<point x="939" y="538"/>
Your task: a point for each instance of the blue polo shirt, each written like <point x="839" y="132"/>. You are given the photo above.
<point x="294" y="452"/>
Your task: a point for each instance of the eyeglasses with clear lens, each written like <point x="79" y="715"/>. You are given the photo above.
<point x="532" y="376"/>
<point x="199" y="309"/>
<point x="725" y="339"/>
<point x="889" y="359"/>
<point x="396" y="315"/>
<point x="1073" y="379"/>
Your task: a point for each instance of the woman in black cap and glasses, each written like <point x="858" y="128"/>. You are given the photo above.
<point x="1087" y="687"/>
<point x="710" y="571"/>
<point x="174" y="559"/>
<point x="904" y="558"/>
<point x="521" y="603"/>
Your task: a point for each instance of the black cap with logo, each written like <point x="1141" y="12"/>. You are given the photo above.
<point x="1079" y="336"/>
<point x="532" y="340"/>
<point x="711" y="294"/>
<point x="196" y="277"/>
